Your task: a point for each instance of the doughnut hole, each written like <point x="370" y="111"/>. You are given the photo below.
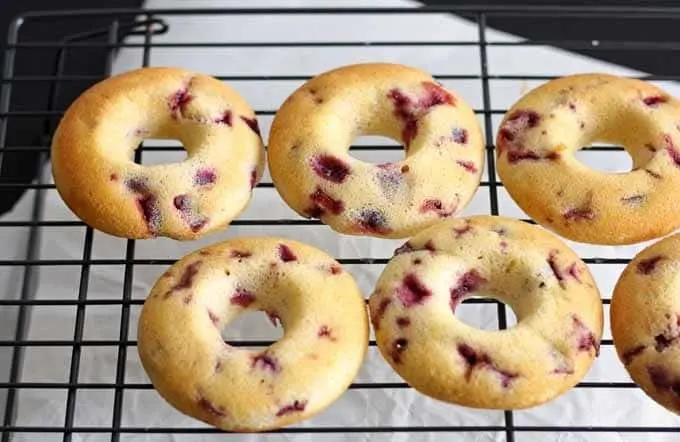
<point x="173" y="152"/>
<point x="638" y="141"/>
<point x="485" y="316"/>
<point x="515" y="283"/>
<point x="377" y="149"/>
<point x="253" y="325"/>
<point x="616" y="161"/>
<point x="264" y="315"/>
<point x="409" y="117"/>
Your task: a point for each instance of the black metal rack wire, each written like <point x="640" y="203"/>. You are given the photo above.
<point x="150" y="23"/>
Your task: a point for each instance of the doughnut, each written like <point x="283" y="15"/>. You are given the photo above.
<point x="541" y="133"/>
<point x="550" y="290"/>
<point x="93" y="148"/>
<point x="322" y="311"/>
<point x="645" y="318"/>
<point x="315" y="175"/>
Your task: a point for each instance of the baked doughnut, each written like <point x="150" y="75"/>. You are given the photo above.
<point x="541" y="133"/>
<point x="93" y="147"/>
<point x="316" y="176"/>
<point x="645" y="318"/>
<point x="549" y="288"/>
<point x="319" y="305"/>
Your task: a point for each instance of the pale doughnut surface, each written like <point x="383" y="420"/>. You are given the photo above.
<point x="645" y="317"/>
<point x="94" y="144"/>
<point x="549" y="288"/>
<point x="540" y="134"/>
<point x="319" y="305"/>
<point x="318" y="178"/>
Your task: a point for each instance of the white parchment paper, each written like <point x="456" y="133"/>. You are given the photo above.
<point x="143" y="408"/>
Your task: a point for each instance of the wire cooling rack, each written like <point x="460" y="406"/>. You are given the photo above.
<point x="149" y="24"/>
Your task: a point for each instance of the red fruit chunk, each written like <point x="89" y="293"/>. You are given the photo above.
<point x="429" y="246"/>
<point x="579" y="213"/>
<point x="466" y="284"/>
<point x="252" y="124"/>
<point x="138" y="185"/>
<point x="242" y="297"/>
<point x="469" y="166"/>
<point x="435" y="95"/>
<point x="459" y="135"/>
<point x="151" y="212"/>
<point x="211" y="408"/>
<point x="187" y="278"/>
<point x="198" y="224"/>
<point x="475" y="359"/>
<point x="648" y="266"/>
<point x="179" y="101"/>
<point x="213" y="317"/>
<point x="225" y="118"/>
<point x="325" y="332"/>
<point x="472" y="358"/>
<point x="631" y="354"/>
<point x="398" y="347"/>
<point x="410" y="110"/>
<point x="182" y="202"/>
<point x="517" y="122"/>
<point x="436" y="205"/>
<point x="205" y="176"/>
<point x="671" y="149"/>
<point x="552" y="262"/>
<point x="654" y="100"/>
<point x="412" y="291"/>
<point x="266" y="361"/>
<point x="574" y="271"/>
<point x="295" y="407"/>
<point x="669" y="337"/>
<point x="517" y="155"/>
<point x="403" y="322"/>
<point x="372" y="221"/>
<point x="322" y="203"/>
<point x="286" y="254"/>
<point x="377" y="315"/>
<point x="585" y="338"/>
<point x="253" y="178"/>
<point x="663" y="341"/>
<point x="240" y="254"/>
<point x="404" y="248"/>
<point x="662" y="380"/>
<point x="330" y="168"/>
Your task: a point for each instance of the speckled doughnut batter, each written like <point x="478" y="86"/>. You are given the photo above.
<point x="319" y="305"/>
<point x="316" y="176"/>
<point x="93" y="149"/>
<point x="645" y="318"/>
<point x="549" y="288"/>
<point x="540" y="134"/>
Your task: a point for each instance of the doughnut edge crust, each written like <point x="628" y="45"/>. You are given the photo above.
<point x="317" y="177"/>
<point x="92" y="150"/>
<point x="555" y="298"/>
<point x="322" y="349"/>
<point x="645" y="321"/>
<point x="541" y="132"/>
